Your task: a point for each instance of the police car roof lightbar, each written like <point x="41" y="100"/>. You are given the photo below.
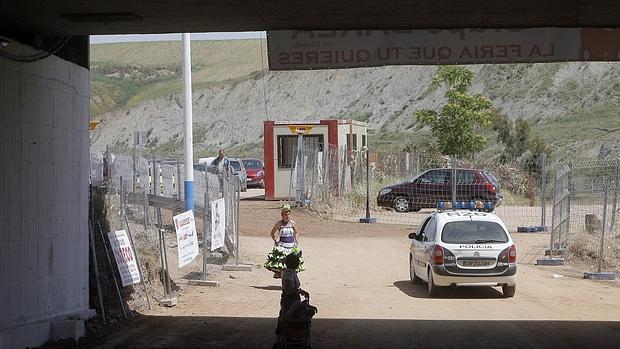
<point x="462" y="205"/>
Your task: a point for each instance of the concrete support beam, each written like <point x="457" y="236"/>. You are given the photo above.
<point x="44" y="111"/>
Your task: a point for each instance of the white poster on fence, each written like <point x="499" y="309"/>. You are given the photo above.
<point x="187" y="238"/>
<point x="218" y="223"/>
<point x="125" y="257"/>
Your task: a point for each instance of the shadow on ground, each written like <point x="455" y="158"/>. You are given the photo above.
<point x="268" y="288"/>
<point x="245" y="332"/>
<point x="421" y="291"/>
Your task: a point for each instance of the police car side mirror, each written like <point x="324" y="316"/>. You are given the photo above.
<point x="412" y="236"/>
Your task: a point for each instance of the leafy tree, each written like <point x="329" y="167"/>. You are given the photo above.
<point x="502" y="125"/>
<point x="537" y="147"/>
<point x="522" y="136"/>
<point x="455" y="125"/>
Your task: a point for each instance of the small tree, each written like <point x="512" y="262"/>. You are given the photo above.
<point x="455" y="125"/>
<point x="502" y="125"/>
<point x="522" y="136"/>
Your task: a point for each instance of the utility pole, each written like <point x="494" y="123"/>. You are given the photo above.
<point x="187" y="111"/>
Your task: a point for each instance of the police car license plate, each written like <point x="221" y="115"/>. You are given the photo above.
<point x="476" y="263"/>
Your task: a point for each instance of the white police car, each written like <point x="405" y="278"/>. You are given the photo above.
<point x="463" y="248"/>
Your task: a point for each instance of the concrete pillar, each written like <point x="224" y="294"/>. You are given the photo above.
<point x="44" y="113"/>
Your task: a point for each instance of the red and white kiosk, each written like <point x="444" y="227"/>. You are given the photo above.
<point x="280" y="145"/>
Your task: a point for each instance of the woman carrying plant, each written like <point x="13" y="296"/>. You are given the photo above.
<point x="285" y="236"/>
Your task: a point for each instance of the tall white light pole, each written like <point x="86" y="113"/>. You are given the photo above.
<point x="187" y="111"/>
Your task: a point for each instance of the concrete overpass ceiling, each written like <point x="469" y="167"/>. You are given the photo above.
<point x="78" y="17"/>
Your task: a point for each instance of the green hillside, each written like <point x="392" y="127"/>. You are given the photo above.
<point x="574" y="107"/>
<point x="126" y="74"/>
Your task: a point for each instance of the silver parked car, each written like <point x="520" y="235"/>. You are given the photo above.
<point x="239" y="170"/>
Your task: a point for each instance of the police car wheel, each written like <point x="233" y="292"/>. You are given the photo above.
<point x="433" y="290"/>
<point x="509" y="291"/>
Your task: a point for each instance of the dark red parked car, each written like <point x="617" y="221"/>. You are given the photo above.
<point x="256" y="172"/>
<point x="428" y="188"/>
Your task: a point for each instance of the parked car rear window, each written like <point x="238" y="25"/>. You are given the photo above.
<point x="491" y="178"/>
<point x="252" y="164"/>
<point x="470" y="232"/>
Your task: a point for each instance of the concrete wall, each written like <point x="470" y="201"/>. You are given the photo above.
<point x="44" y="113"/>
<point x="344" y="130"/>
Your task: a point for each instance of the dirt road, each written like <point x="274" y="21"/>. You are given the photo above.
<point x="358" y="278"/>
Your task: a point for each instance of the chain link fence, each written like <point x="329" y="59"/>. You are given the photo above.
<point x="402" y="186"/>
<point x="141" y="196"/>
<point x="576" y="202"/>
<point x="585" y="215"/>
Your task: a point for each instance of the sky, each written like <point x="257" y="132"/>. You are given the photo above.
<point x="105" y="39"/>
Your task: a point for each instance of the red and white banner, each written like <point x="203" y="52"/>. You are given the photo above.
<point x="125" y="257"/>
<point x="316" y="49"/>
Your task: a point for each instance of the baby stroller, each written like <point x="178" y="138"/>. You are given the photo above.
<point x="295" y="325"/>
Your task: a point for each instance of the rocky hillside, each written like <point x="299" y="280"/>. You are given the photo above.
<point x="575" y="107"/>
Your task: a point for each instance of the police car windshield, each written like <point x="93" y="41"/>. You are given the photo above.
<point x="473" y="232"/>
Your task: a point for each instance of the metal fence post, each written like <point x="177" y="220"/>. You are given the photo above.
<point x="553" y="214"/>
<point x="146" y="206"/>
<point x="454" y="181"/>
<point x="155" y="182"/>
<point x="615" y="204"/>
<point x="120" y="199"/>
<point x="155" y="178"/>
<point x="206" y="227"/>
<point x="133" y="246"/>
<point x="570" y="191"/>
<point x="133" y="168"/>
<point x="179" y="181"/>
<point x="93" y="251"/>
<point x="299" y="188"/>
<point x="145" y="188"/>
<point x="368" y="183"/>
<point x="543" y="190"/>
<point x="236" y="213"/>
<point x="169" y="301"/>
<point x="367" y="219"/>
<point x="602" y="245"/>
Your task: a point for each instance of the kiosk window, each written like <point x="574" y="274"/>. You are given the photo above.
<point x="287" y="148"/>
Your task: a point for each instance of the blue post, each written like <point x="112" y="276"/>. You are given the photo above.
<point x="189" y="195"/>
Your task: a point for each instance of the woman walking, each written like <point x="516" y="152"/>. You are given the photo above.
<point x="285" y="237"/>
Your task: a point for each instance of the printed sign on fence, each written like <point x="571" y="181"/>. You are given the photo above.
<point x="218" y="223"/>
<point x="125" y="257"/>
<point x="187" y="238"/>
